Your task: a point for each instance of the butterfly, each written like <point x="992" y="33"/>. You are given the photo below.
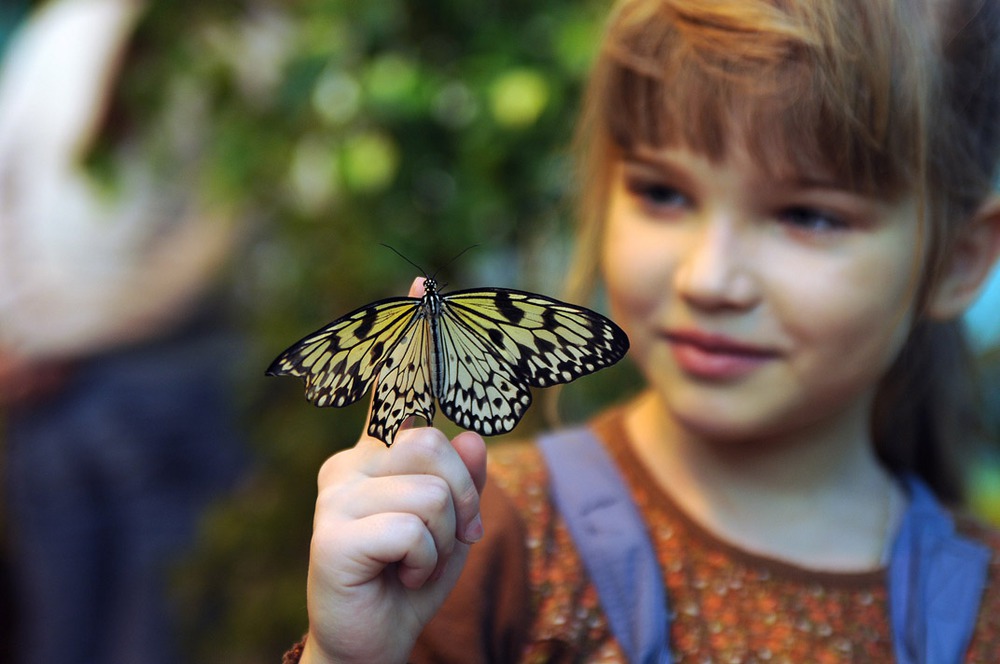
<point x="476" y="352"/>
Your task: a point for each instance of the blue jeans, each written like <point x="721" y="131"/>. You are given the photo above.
<point x="106" y="481"/>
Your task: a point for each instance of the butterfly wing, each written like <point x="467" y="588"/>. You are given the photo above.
<point x="516" y="339"/>
<point x="477" y="388"/>
<point x="478" y="356"/>
<point x="404" y="385"/>
<point x="339" y="362"/>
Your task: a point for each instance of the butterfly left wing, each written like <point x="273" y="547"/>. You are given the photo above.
<point x="338" y="362"/>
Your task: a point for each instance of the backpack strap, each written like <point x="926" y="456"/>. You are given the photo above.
<point x="936" y="582"/>
<point x="612" y="539"/>
<point x="936" y="577"/>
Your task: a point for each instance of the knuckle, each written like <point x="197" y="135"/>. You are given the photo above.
<point x="331" y="469"/>
<point x="345" y="465"/>
<point x="412" y="530"/>
<point x="330" y="541"/>
<point x="337" y="484"/>
<point x="437" y="495"/>
<point x="328" y="499"/>
<point x="426" y="442"/>
<point x="324" y="543"/>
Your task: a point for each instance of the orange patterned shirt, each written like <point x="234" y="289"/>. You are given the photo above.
<point x="525" y="597"/>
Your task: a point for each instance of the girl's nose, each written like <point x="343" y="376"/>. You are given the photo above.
<point x="716" y="272"/>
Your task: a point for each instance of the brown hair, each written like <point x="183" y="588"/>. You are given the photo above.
<point x="893" y="97"/>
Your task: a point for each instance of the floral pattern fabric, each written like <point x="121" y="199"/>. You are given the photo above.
<point x="727" y="605"/>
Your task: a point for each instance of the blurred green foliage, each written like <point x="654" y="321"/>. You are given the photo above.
<point x="336" y="126"/>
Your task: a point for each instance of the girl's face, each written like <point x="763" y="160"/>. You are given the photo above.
<point x="757" y="306"/>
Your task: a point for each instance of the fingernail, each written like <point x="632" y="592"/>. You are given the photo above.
<point x="474" y="531"/>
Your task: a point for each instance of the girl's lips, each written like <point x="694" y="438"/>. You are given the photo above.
<point x="716" y="357"/>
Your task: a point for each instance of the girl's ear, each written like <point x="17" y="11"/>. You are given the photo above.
<point x="973" y="256"/>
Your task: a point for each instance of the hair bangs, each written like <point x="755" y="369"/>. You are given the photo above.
<point x="767" y="77"/>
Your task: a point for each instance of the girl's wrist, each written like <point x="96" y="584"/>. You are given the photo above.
<point x="306" y="652"/>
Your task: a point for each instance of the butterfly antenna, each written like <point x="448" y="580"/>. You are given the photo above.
<point x="393" y="250"/>
<point x="453" y="259"/>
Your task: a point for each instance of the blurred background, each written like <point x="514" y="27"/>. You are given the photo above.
<point x="186" y="188"/>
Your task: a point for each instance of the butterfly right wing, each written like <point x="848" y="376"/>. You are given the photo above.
<point x="546" y="341"/>
<point x="477" y="388"/>
<point x="339" y="362"/>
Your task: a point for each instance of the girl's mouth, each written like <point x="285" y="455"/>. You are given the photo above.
<point x="716" y="357"/>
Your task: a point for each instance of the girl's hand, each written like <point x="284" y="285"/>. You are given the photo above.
<point x="390" y="537"/>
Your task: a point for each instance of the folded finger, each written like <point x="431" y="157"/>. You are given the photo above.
<point x="428" y="497"/>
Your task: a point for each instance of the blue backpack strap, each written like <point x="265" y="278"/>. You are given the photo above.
<point x="936" y="577"/>
<point x="613" y="541"/>
<point x="936" y="582"/>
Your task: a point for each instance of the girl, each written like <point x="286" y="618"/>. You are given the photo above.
<point x="789" y="205"/>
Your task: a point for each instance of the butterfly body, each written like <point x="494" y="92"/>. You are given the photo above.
<point x="474" y="352"/>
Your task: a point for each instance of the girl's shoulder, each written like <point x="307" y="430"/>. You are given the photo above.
<point x="565" y="614"/>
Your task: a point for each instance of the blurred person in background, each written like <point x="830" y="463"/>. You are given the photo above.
<point x="113" y="351"/>
<point x="11" y="13"/>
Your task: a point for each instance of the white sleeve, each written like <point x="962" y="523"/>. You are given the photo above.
<point x="79" y="268"/>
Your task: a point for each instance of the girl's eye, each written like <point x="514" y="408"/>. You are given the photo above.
<point x="812" y="220"/>
<point x="656" y="196"/>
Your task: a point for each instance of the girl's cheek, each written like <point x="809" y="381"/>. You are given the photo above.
<point x="618" y="253"/>
<point x="635" y="263"/>
<point x="619" y="276"/>
<point x="633" y="287"/>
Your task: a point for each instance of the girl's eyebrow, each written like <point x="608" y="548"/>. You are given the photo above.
<point x="653" y="163"/>
<point x="646" y="157"/>
<point x="657" y="167"/>
<point x="801" y="180"/>
<point x="639" y="165"/>
<point x="788" y="177"/>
